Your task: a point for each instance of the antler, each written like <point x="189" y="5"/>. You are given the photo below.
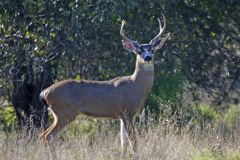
<point x="161" y="29"/>
<point x="122" y="32"/>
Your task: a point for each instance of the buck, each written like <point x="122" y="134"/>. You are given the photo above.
<point x="120" y="98"/>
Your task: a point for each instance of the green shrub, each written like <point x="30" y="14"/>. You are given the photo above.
<point x="163" y="100"/>
<point x="208" y="154"/>
<point x="232" y="117"/>
<point x="208" y="113"/>
<point x="7" y="118"/>
<point x="82" y="127"/>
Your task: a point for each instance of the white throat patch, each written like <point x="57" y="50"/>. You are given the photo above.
<point x="148" y="66"/>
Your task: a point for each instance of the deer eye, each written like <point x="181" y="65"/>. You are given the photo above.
<point x="139" y="52"/>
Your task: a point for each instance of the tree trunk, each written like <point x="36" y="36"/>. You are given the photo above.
<point x="30" y="112"/>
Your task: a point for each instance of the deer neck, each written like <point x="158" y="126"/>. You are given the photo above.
<point x="143" y="74"/>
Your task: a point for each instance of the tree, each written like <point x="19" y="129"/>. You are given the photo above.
<point x="46" y="41"/>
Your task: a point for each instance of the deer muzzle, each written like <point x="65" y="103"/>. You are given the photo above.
<point x="147" y="58"/>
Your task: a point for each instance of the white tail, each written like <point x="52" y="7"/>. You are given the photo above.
<point x="119" y="98"/>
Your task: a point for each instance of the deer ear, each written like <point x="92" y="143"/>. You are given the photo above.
<point x="130" y="46"/>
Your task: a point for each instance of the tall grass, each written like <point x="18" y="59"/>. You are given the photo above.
<point x="99" y="140"/>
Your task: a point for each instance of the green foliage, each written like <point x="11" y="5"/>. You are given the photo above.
<point x="208" y="154"/>
<point x="208" y="113"/>
<point x="88" y="128"/>
<point x="7" y="118"/>
<point x="164" y="99"/>
<point x="80" y="39"/>
<point x="168" y="86"/>
<point x="226" y="120"/>
<point x="78" y="77"/>
<point x="232" y="116"/>
<point x="83" y="127"/>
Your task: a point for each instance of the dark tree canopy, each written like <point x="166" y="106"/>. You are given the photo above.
<point x="46" y="41"/>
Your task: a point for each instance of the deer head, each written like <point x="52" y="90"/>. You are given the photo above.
<point x="145" y="51"/>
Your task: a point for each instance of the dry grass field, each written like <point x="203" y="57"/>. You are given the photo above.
<point x="99" y="140"/>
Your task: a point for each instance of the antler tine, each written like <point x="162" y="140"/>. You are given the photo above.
<point x="160" y="28"/>
<point x="160" y="24"/>
<point x="122" y="32"/>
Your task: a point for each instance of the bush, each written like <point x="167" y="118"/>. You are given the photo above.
<point x="208" y="114"/>
<point x="163" y="101"/>
<point x="208" y="154"/>
<point x="7" y="118"/>
<point x="231" y="118"/>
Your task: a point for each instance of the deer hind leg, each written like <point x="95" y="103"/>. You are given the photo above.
<point x="42" y="135"/>
<point x="59" y="123"/>
<point x="51" y="134"/>
<point x="45" y="138"/>
<point x="61" y="118"/>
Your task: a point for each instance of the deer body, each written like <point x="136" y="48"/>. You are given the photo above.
<point x="120" y="98"/>
<point x="111" y="98"/>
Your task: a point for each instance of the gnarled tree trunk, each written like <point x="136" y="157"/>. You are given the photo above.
<point x="30" y="112"/>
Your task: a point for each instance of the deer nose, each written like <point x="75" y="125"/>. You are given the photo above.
<point x="148" y="58"/>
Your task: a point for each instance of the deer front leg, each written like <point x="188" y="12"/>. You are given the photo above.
<point x="128" y="132"/>
<point x="132" y="134"/>
<point x="123" y="137"/>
